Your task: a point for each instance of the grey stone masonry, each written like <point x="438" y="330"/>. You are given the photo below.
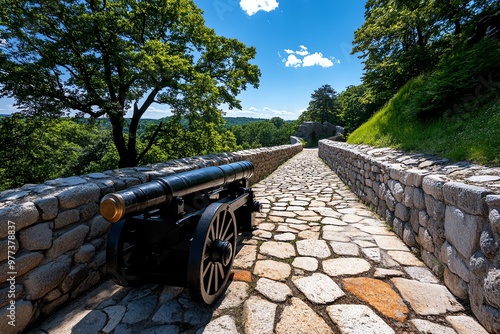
<point x="448" y="212"/>
<point x="53" y="240"/>
<point x="330" y="265"/>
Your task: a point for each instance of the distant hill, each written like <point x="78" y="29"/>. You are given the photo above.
<point x="231" y="121"/>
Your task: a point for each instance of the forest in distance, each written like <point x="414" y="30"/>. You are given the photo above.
<point x="34" y="150"/>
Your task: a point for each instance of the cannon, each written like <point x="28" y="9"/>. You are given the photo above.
<point x="181" y="229"/>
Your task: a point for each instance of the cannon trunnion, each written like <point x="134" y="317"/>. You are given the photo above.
<point x="181" y="229"/>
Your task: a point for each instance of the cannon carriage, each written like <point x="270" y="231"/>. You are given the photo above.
<point x="180" y="230"/>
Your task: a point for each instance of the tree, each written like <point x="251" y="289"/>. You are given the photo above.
<point x="355" y="108"/>
<point x="104" y="57"/>
<point x="402" y="39"/>
<point x="323" y="106"/>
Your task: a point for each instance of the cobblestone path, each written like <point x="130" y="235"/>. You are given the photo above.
<point x="319" y="262"/>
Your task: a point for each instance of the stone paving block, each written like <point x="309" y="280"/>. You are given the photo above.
<point x="234" y="296"/>
<point x="305" y="263"/>
<point x="298" y="318"/>
<point x="343" y="248"/>
<point x="427" y="298"/>
<point x="245" y="257"/>
<point x="390" y="243"/>
<point x="465" y="325"/>
<point x="421" y="274"/>
<point x="357" y="319"/>
<point x="222" y="325"/>
<point x="281" y="250"/>
<point x="345" y="266"/>
<point x="379" y="295"/>
<point x="272" y="269"/>
<point x="258" y="315"/>
<point x="275" y="291"/>
<point x="425" y="326"/>
<point x="405" y="258"/>
<point x="318" y="288"/>
<point x="314" y="248"/>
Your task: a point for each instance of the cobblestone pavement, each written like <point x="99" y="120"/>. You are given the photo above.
<point x="319" y="262"/>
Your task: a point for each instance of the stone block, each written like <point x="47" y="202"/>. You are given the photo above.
<point x="493" y="200"/>
<point x="37" y="237"/>
<point x="75" y="276"/>
<point x="423" y="218"/>
<point x="46" y="277"/>
<point x="397" y="190"/>
<point x="494" y="218"/>
<point x="72" y="239"/>
<point x="408" y="196"/>
<point x="24" y="263"/>
<point x="4" y="248"/>
<point x="48" y="207"/>
<point x="467" y="197"/>
<point x="492" y="288"/>
<point x="395" y="171"/>
<point x="85" y="254"/>
<point x="413" y="177"/>
<point x="66" y="218"/>
<point x="425" y="240"/>
<point x="463" y="230"/>
<point x="98" y="226"/>
<point x="436" y="228"/>
<point x="409" y="235"/>
<point x="455" y="262"/>
<point x="433" y="185"/>
<point x="397" y="226"/>
<point x="418" y="198"/>
<point x="23" y="314"/>
<point x="22" y="215"/>
<point x="489" y="246"/>
<point x="88" y="211"/>
<point x="457" y="286"/>
<point x="79" y="195"/>
<point x="435" y="208"/>
<point x="402" y="212"/>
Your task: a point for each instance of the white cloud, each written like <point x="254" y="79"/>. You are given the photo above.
<point x="265" y="112"/>
<point x="317" y="59"/>
<point x="293" y="61"/>
<point x="253" y="6"/>
<point x="303" y="51"/>
<point x="303" y="58"/>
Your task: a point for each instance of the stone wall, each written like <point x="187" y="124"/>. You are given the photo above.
<point x="449" y="213"/>
<point x="53" y="241"/>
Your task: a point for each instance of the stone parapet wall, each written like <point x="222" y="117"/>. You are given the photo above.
<point x="53" y="240"/>
<point x="449" y="213"/>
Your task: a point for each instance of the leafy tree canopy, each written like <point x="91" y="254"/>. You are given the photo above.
<point x="401" y="39"/>
<point x="104" y="57"/>
<point x="323" y="106"/>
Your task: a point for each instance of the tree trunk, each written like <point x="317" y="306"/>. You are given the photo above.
<point x="128" y="158"/>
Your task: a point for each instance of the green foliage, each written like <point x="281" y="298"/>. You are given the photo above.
<point x="264" y="133"/>
<point x="462" y="76"/>
<point x="103" y="58"/>
<point x="470" y="135"/>
<point x="355" y="108"/>
<point x="196" y="138"/>
<point x="323" y="107"/>
<point x="37" y="149"/>
<point x="402" y="39"/>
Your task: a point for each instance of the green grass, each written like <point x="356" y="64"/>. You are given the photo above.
<point x="472" y="133"/>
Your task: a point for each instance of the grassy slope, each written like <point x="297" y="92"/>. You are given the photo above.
<point x="472" y="135"/>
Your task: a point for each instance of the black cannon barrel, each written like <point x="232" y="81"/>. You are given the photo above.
<point x="161" y="191"/>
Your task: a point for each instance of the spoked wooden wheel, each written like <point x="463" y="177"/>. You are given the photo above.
<point x="212" y="252"/>
<point x="121" y="253"/>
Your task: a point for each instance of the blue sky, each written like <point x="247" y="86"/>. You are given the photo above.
<point x="301" y="45"/>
